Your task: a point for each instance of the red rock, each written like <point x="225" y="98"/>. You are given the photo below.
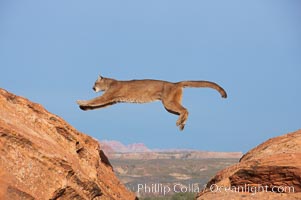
<point x="114" y="146"/>
<point x="274" y="165"/>
<point x="111" y="146"/>
<point x="138" y="147"/>
<point x="43" y="157"/>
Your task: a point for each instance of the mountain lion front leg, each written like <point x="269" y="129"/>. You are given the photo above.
<point x="98" y="102"/>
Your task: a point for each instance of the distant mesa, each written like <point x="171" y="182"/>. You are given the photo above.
<point x="43" y="157"/>
<point x="271" y="170"/>
<point x="116" y="146"/>
<point x="116" y="150"/>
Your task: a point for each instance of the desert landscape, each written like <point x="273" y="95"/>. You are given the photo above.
<point x="43" y="157"/>
<point x="94" y="98"/>
<point x="136" y="164"/>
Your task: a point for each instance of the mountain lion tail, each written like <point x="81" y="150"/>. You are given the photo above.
<point x="206" y="84"/>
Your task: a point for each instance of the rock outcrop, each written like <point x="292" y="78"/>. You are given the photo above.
<point x="43" y="157"/>
<point x="272" y="170"/>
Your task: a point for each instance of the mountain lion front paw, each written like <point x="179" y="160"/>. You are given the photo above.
<point x="82" y="104"/>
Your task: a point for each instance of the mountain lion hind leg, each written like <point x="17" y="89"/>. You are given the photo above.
<point x="172" y="104"/>
<point x="178" y="109"/>
<point x="98" y="102"/>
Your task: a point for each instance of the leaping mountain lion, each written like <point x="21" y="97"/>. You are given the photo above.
<point x="144" y="91"/>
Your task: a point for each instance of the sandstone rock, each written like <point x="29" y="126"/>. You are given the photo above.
<point x="43" y="157"/>
<point x="273" y="169"/>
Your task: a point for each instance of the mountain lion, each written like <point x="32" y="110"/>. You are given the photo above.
<point x="144" y="91"/>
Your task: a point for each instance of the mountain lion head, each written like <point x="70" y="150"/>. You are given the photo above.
<point x="100" y="84"/>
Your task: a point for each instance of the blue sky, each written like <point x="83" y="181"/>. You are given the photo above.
<point x="52" y="51"/>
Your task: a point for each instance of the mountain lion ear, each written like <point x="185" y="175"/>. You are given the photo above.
<point x="100" y="77"/>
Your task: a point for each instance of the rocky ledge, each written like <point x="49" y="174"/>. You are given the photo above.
<point x="272" y="170"/>
<point x="43" y="157"/>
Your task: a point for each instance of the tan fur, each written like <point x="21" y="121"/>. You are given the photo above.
<point x="144" y="91"/>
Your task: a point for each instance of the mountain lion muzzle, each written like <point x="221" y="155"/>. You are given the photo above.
<point x="144" y="91"/>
